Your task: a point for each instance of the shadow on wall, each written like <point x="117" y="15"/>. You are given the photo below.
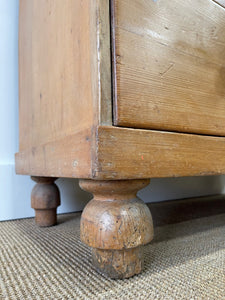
<point x="182" y="187"/>
<point x="16" y="191"/>
<point x="74" y="199"/>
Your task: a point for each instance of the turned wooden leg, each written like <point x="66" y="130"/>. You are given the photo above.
<point x="45" y="198"/>
<point x="116" y="224"/>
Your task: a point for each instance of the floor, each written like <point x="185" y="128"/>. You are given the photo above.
<point x="186" y="260"/>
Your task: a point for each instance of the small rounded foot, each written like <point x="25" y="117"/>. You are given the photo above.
<point x="118" y="264"/>
<point x="45" y="199"/>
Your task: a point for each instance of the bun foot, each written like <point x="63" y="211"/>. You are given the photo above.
<point x="116" y="224"/>
<point x="45" y="198"/>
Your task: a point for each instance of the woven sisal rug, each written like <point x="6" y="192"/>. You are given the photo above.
<point x="185" y="261"/>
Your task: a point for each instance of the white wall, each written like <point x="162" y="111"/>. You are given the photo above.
<point x="15" y="189"/>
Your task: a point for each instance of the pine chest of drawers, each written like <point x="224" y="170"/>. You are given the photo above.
<point x="114" y="93"/>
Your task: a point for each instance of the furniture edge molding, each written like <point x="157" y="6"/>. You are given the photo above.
<point x="108" y="152"/>
<point x="103" y="46"/>
<point x="125" y="153"/>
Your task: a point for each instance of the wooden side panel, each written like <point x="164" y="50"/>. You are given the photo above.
<point x="69" y="157"/>
<point x="62" y="59"/>
<point x="132" y="153"/>
<point x="169" y="62"/>
<point x="55" y="70"/>
<point x="64" y="85"/>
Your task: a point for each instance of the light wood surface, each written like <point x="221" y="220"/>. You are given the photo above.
<point x="169" y="62"/>
<point x="70" y="156"/>
<point x="119" y="153"/>
<point x="116" y="224"/>
<point x="62" y="58"/>
<point x="132" y="153"/>
<point x="104" y="82"/>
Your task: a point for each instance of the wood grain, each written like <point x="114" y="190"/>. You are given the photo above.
<point x="169" y="62"/>
<point x="67" y="157"/>
<point x="45" y="198"/>
<point x="116" y="223"/>
<point x="115" y="218"/>
<point x="104" y="82"/>
<point x="132" y="153"/>
<point x="120" y="153"/>
<point x="64" y="50"/>
<point x="118" y="264"/>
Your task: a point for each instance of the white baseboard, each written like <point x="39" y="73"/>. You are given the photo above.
<point x="14" y="194"/>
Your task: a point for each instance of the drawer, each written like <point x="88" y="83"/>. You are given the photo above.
<point x="169" y="65"/>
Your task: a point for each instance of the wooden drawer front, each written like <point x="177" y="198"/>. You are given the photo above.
<point x="169" y="65"/>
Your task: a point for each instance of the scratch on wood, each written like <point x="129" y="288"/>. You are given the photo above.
<point x="167" y="70"/>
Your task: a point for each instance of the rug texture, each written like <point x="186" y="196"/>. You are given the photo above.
<point x="185" y="261"/>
